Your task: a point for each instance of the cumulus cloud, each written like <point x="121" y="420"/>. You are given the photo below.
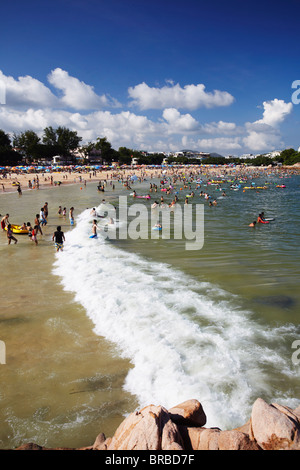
<point x="29" y="92"/>
<point x="121" y="129"/>
<point x="275" y="111"/>
<point x="189" y="97"/>
<point x="16" y="120"/>
<point x="179" y="122"/>
<point x="262" y="141"/>
<point x="69" y="102"/>
<point x="220" y="144"/>
<point x="77" y="94"/>
<point x="26" y="91"/>
<point x="221" y="127"/>
<point x="264" y="134"/>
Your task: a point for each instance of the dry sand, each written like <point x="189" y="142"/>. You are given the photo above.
<point x="50" y="179"/>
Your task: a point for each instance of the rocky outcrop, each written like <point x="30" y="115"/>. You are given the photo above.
<point x="274" y="426"/>
<point x="271" y="427"/>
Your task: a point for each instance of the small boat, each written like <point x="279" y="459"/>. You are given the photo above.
<point x="18" y="230"/>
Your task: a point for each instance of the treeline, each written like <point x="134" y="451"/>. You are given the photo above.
<point x="30" y="147"/>
<point x="287" y="157"/>
<point x="27" y="147"/>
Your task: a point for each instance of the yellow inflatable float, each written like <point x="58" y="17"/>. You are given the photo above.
<point x="18" y="230"/>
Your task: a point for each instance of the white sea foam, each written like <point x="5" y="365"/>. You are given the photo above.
<point x="185" y="339"/>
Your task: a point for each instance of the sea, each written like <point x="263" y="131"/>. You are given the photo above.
<point x="112" y="324"/>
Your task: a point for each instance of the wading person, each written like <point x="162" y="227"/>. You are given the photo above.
<point x="59" y="238"/>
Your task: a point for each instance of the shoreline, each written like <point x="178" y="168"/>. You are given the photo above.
<point x="271" y="426"/>
<point x="54" y="178"/>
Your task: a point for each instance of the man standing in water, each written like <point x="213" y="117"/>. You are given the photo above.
<point x="59" y="238"/>
<point x="94" y="229"/>
<point x="4" y="221"/>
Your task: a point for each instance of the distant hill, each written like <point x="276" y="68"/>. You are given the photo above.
<point x="216" y="155"/>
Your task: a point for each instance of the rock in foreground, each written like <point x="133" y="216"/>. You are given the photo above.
<point x="271" y="427"/>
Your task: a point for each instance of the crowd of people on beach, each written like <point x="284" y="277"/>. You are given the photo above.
<point x="40" y="221"/>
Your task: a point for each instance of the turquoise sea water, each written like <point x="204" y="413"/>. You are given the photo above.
<point x="110" y="325"/>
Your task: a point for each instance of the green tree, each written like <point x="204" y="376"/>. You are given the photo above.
<point x="49" y="137"/>
<point x="28" y="142"/>
<point x="63" y="139"/>
<point x="126" y="155"/>
<point x="107" y="152"/>
<point x="289" y="157"/>
<point x="286" y="154"/>
<point x="4" y="140"/>
<point x="8" y="157"/>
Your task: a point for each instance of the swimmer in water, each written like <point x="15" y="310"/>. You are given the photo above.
<point x="260" y="219"/>
<point x="93" y="212"/>
<point x="94" y="229"/>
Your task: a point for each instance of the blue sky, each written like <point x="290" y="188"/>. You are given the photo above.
<point x="154" y="75"/>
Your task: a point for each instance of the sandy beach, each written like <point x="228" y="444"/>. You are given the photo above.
<point x="55" y="178"/>
<point x="40" y="180"/>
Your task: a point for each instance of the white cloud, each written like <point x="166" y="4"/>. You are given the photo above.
<point x="189" y="97"/>
<point x="262" y="141"/>
<point x="275" y="111"/>
<point x="29" y="92"/>
<point x="179" y="123"/>
<point x="77" y="94"/>
<point x="264" y="134"/>
<point x="222" y="145"/>
<point x="26" y="91"/>
<point x="220" y="127"/>
<point x="32" y="105"/>
<point x="219" y="144"/>
<point x="16" y="120"/>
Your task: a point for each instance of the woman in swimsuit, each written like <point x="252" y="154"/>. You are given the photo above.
<point x="10" y="236"/>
